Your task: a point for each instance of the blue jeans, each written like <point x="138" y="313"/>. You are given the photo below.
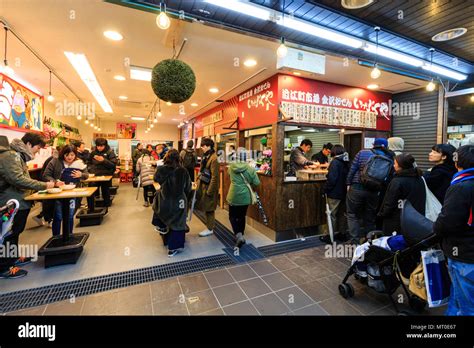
<point x="461" y="300"/>
<point x="58" y="216"/>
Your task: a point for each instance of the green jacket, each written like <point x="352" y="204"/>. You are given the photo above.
<point x="15" y="181"/>
<point x="239" y="193"/>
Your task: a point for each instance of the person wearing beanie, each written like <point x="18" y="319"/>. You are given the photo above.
<point x="189" y="158"/>
<point x="396" y="145"/>
<point x="439" y="177"/>
<point x="361" y="202"/>
<point x="407" y="183"/>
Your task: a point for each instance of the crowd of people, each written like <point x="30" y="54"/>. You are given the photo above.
<point x="365" y="194"/>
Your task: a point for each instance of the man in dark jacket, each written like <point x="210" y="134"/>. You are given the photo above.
<point x="298" y="160"/>
<point x="139" y="151"/>
<point x="361" y="202"/>
<point x="15" y="183"/>
<point x="322" y="156"/>
<point x="189" y="158"/>
<point x="102" y="161"/>
<point x="336" y="190"/>
<point x="82" y="153"/>
<point x="455" y="226"/>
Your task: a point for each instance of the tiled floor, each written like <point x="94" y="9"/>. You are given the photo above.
<point x="299" y="283"/>
<point x="124" y="241"/>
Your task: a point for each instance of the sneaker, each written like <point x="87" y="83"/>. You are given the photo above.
<point x="13" y="273"/>
<point x="23" y="261"/>
<point x="38" y="220"/>
<point x="147" y="204"/>
<point x="172" y="253"/>
<point x="240" y="241"/>
<point x="206" y="233"/>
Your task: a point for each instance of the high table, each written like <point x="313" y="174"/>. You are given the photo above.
<point x="101" y="178"/>
<point x="65" y="249"/>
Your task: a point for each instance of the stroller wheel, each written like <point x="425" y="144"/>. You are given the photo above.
<point x="346" y="290"/>
<point x="417" y="304"/>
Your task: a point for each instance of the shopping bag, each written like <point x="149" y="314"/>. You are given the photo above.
<point x="417" y="282"/>
<point x="432" y="205"/>
<point x="437" y="279"/>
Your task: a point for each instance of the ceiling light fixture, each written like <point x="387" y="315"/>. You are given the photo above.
<point x="136" y="118"/>
<point x="373" y="86"/>
<point x="430" y="87"/>
<point x="213" y="90"/>
<point x="402" y="58"/>
<point x="449" y="34"/>
<point x="243" y="7"/>
<point x="79" y="117"/>
<point x="87" y="121"/>
<point x="355" y="4"/>
<point x="297" y="73"/>
<point x="119" y="77"/>
<point x="162" y="20"/>
<point x="169" y="103"/>
<point x="375" y="73"/>
<point x="50" y="96"/>
<point x="113" y="35"/>
<point x="472" y="98"/>
<point x="445" y="72"/>
<point x="282" y="50"/>
<point x="84" y="70"/>
<point x="6" y="69"/>
<point x="194" y="104"/>
<point x="140" y="73"/>
<point x="123" y="97"/>
<point x="250" y="63"/>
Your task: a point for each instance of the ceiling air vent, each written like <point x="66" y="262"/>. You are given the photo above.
<point x="219" y="100"/>
<point x="132" y="104"/>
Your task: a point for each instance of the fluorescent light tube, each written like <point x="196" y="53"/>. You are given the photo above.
<point x="316" y="30"/>
<point x="84" y="70"/>
<point x="445" y="72"/>
<point x="138" y="118"/>
<point x="139" y="73"/>
<point x="243" y="7"/>
<point x="391" y="54"/>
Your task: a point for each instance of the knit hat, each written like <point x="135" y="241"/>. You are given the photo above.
<point x="381" y="142"/>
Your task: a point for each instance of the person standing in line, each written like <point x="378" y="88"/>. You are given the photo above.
<point x="137" y="153"/>
<point x="146" y="169"/>
<point x="362" y="202"/>
<point x="439" y="177"/>
<point x="170" y="205"/>
<point x="455" y="226"/>
<point x="55" y="172"/>
<point x="407" y="183"/>
<point x="336" y="190"/>
<point x="15" y="183"/>
<point x="161" y="150"/>
<point x="102" y="161"/>
<point x="208" y="185"/>
<point x="189" y="158"/>
<point x="239" y="197"/>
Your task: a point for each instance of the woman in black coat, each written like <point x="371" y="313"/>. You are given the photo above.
<point x="439" y="177"/>
<point x="407" y="183"/>
<point x="171" y="201"/>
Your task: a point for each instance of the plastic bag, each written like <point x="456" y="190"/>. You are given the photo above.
<point x="437" y="279"/>
<point x="432" y="206"/>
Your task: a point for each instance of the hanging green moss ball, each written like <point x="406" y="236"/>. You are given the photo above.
<point x="173" y="81"/>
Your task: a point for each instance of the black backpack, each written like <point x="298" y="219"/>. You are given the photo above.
<point x="189" y="161"/>
<point x="376" y="172"/>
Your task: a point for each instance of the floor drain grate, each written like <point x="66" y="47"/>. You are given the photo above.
<point x="290" y="246"/>
<point x="17" y="300"/>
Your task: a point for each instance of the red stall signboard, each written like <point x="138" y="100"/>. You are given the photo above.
<point x="315" y="102"/>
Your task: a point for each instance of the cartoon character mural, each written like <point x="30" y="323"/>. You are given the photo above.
<point x="19" y="106"/>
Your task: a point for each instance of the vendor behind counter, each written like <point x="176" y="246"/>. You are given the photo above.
<point x="323" y="156"/>
<point x="298" y="161"/>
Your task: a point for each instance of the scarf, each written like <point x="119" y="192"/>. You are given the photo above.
<point x="206" y="158"/>
<point x="463" y="175"/>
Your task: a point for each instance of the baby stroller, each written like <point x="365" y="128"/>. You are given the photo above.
<point x="7" y="214"/>
<point x="382" y="269"/>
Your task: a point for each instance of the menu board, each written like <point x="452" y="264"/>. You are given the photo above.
<point x="20" y="107"/>
<point x="328" y="115"/>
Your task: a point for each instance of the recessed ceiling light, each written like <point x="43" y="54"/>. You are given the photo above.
<point x="355" y="4"/>
<point x="250" y="62"/>
<point x="297" y="73"/>
<point x="449" y="34"/>
<point x="119" y="77"/>
<point x="373" y="86"/>
<point x="213" y="90"/>
<point x="194" y="104"/>
<point x="123" y="97"/>
<point x="113" y="35"/>
<point x="169" y="103"/>
<point x="138" y="118"/>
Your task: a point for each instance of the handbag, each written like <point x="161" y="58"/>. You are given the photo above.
<point x="205" y="176"/>
<point x="417" y="282"/>
<point x="436" y="276"/>
<point x="432" y="205"/>
<point x="253" y="196"/>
